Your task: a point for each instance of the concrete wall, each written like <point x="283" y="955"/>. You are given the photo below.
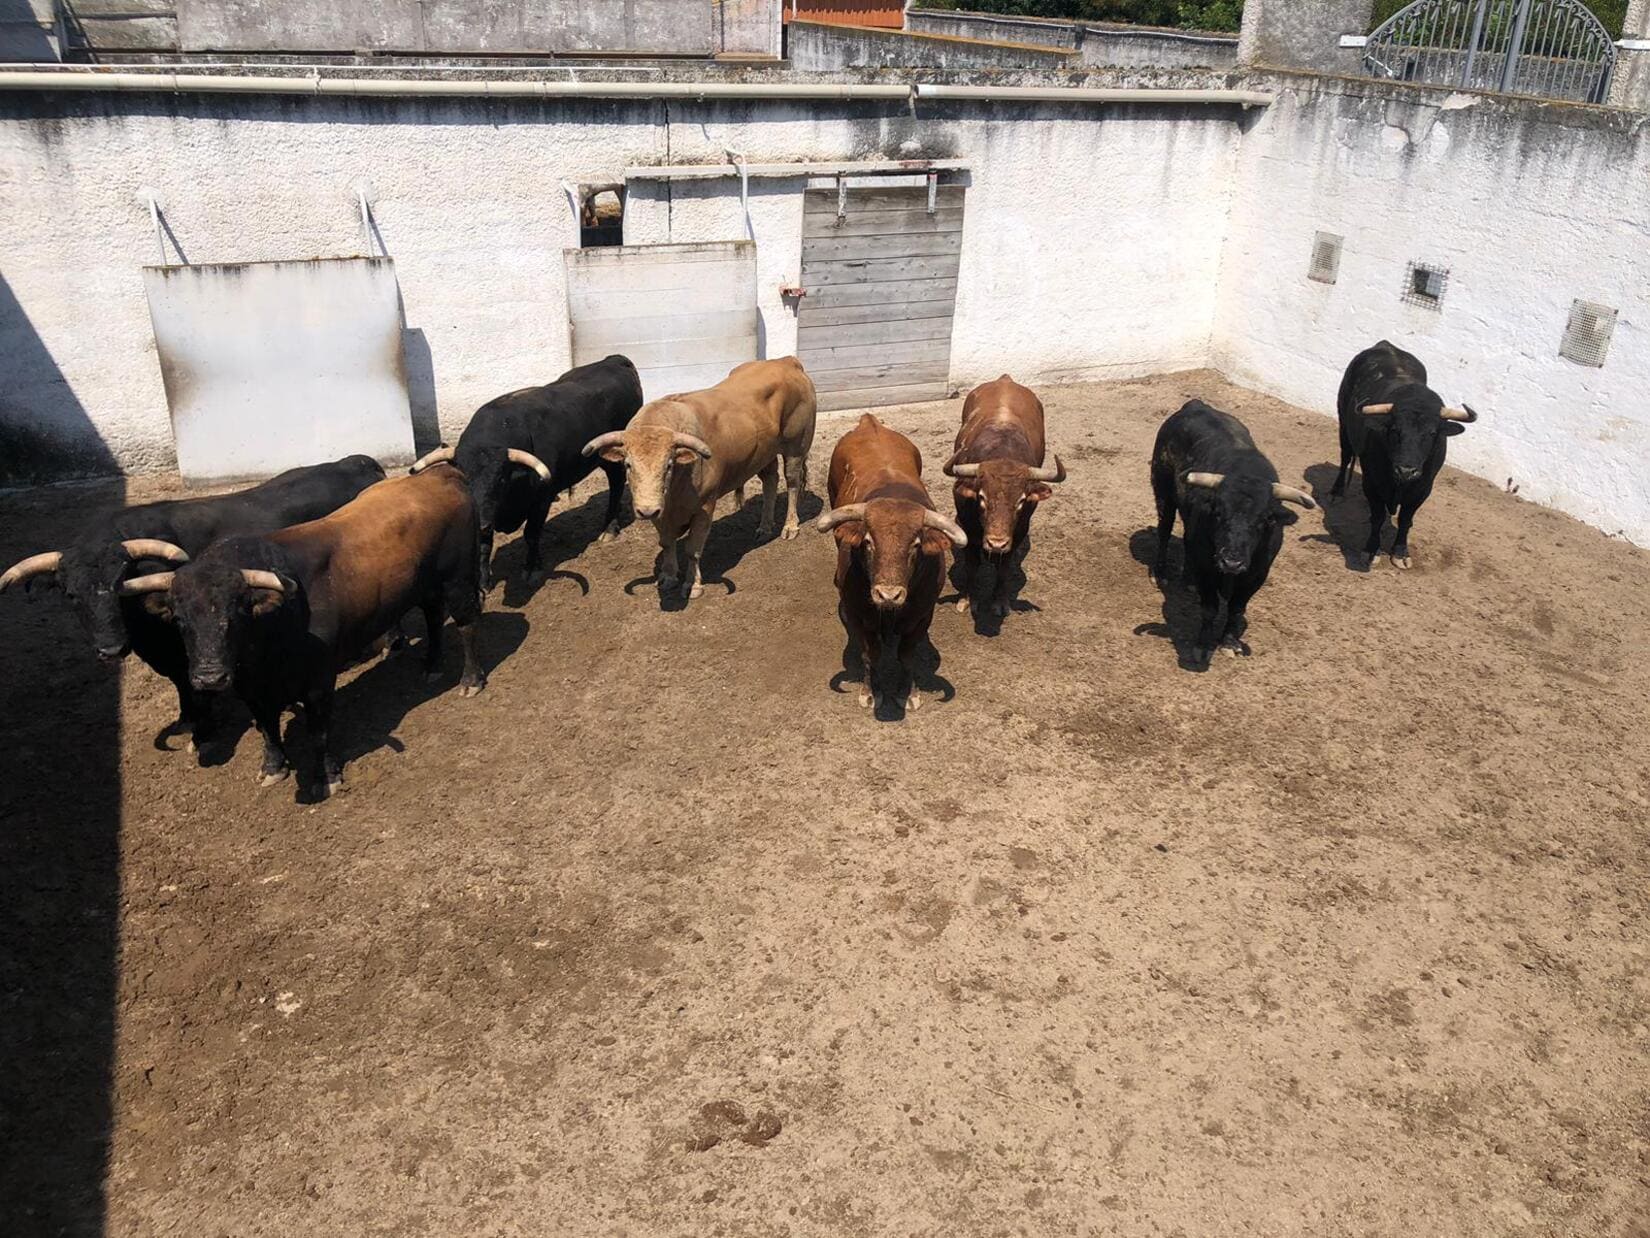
<point x="1091" y="248"/>
<point x="1097" y="46"/>
<point x="696" y="27"/>
<point x="1303" y="34"/>
<point x="827" y="48"/>
<point x="1529" y="207"/>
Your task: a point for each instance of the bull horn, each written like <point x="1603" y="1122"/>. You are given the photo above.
<point x="1056" y="474"/>
<point x="34" y="565"/>
<point x="262" y="580"/>
<point x="953" y="469"/>
<point x="441" y="455"/>
<point x="1376" y="410"/>
<point x="518" y="456"/>
<point x="692" y="444"/>
<point x="840" y="515"/>
<point x="154" y="548"/>
<point x="1464" y="413"/>
<point x="947" y="526"/>
<point x="1289" y="494"/>
<point x="157" y="582"/>
<point x="1209" y="481"/>
<point x="613" y="438"/>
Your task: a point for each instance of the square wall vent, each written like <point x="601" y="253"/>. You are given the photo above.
<point x="1424" y="285"/>
<point x="1587" y="337"/>
<point x="1326" y="258"/>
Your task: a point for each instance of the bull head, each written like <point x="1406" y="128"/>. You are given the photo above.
<point x="212" y="604"/>
<point x="1245" y="514"/>
<point x="1005" y="490"/>
<point x="1411" y="423"/>
<point x="90" y="577"/>
<point x="890" y="534"/>
<point x="651" y="456"/>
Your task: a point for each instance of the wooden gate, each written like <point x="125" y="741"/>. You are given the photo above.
<point x="887" y="14"/>
<point x="880" y="282"/>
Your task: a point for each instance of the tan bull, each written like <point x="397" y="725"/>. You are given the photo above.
<point x="684" y="452"/>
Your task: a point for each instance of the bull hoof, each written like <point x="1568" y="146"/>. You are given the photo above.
<point x="269" y="780"/>
<point x="1402" y="562"/>
<point x="609" y="534"/>
<point x="868" y="699"/>
<point x="912" y="702"/>
<point x="789" y="531"/>
<point x="332" y="787"/>
<point x="471" y="689"/>
<point x="695" y="590"/>
<point x="1232" y="647"/>
<point x="1363" y="562"/>
<point x="763" y="530"/>
<point x="962" y="606"/>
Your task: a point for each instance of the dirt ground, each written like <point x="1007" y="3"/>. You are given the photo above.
<point x="663" y="934"/>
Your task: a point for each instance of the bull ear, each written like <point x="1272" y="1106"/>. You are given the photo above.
<point x="684" y="457"/>
<point x="266" y="600"/>
<point x="158" y="604"/>
<point x="1037" y="491"/>
<point x="1451" y="428"/>
<point x="934" y="542"/>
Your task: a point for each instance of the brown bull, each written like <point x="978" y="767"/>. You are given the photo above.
<point x="684" y="452"/>
<point x="278" y="616"/>
<point x="890" y="547"/>
<point x="1000" y="479"/>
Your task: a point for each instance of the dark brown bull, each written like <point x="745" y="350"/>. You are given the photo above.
<point x="278" y="616"/>
<point x="1000" y="479"/>
<point x="890" y="547"/>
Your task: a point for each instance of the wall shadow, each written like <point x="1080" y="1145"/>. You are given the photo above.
<point x="419" y="367"/>
<point x="22" y="37"/>
<point x="60" y="818"/>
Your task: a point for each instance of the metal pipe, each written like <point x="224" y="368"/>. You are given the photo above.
<point x="316" y="85"/>
<point x="225" y="84"/>
<point x="1094" y="94"/>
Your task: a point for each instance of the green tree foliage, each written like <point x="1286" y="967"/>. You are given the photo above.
<point x="1193" y="14"/>
<point x="1185" y="14"/>
<point x="1613" y="13"/>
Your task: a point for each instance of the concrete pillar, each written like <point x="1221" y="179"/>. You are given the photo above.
<point x="1631" y="86"/>
<point x="1303" y="34"/>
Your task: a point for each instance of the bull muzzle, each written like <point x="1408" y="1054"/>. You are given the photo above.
<point x="888" y="597"/>
<point x="1232" y="565"/>
<point x="209" y="679"/>
<point x="113" y="653"/>
<point x="646" y="513"/>
<point x="997" y="545"/>
<point x="1405" y="474"/>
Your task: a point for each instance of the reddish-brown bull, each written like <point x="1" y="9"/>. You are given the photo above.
<point x="890" y="547"/>
<point x="278" y="616"/>
<point x="1000" y="479"/>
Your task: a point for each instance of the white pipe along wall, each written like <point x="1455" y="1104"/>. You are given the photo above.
<point x="1101" y="240"/>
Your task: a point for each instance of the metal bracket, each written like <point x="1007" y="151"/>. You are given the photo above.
<point x="841" y="197"/>
<point x="933" y="190"/>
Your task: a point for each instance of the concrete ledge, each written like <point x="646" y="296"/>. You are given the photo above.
<point x="1096" y="45"/>
<point x="819" y="47"/>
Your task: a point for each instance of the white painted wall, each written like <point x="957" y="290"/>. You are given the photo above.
<point x="1091" y="248"/>
<point x="1098" y="243"/>
<point x="1528" y="209"/>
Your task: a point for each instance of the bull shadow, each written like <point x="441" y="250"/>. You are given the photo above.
<point x="1345" y="518"/>
<point x="889" y="677"/>
<point x="987" y="622"/>
<point x="731" y="538"/>
<point x="368" y="710"/>
<point x="1182" y="614"/>
<point x="567" y="535"/>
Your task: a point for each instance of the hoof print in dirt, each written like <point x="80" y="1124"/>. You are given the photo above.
<point x="722" y="1120"/>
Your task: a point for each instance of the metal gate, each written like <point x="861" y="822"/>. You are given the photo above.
<point x="1556" y="49"/>
<point x="879" y="275"/>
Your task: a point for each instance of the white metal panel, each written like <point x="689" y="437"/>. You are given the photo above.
<point x="685" y="314"/>
<point x="270" y="365"/>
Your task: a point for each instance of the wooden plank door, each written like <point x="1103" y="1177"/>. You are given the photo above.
<point x="881" y="285"/>
<point x="685" y="314"/>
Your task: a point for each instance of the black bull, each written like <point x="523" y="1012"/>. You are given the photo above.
<point x="1398" y="430"/>
<point x="139" y="540"/>
<point x="523" y="449"/>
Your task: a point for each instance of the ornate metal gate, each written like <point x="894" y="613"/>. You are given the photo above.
<point x="1556" y="49"/>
